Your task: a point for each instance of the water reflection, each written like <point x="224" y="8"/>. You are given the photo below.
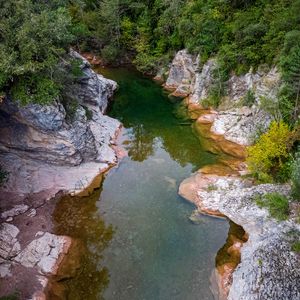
<point x="79" y="218"/>
<point x="140" y="143"/>
<point x="152" y="250"/>
<point x="147" y="113"/>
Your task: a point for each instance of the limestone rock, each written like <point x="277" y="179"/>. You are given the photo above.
<point x="16" y="210"/>
<point x="262" y="84"/>
<point x="44" y="253"/>
<point x="42" y="132"/>
<point x="92" y="88"/>
<point x="9" y="245"/>
<point x="203" y="82"/>
<point x="241" y="125"/>
<point x="268" y="268"/>
<point x="182" y="73"/>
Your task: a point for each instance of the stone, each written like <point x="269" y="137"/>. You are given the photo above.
<point x="42" y="132"/>
<point x="44" y="253"/>
<point x="196" y="217"/>
<point x="15" y="211"/>
<point x="92" y="88"/>
<point x="182" y="73"/>
<point x="9" y="247"/>
<point x="203" y="82"/>
<point x="241" y="126"/>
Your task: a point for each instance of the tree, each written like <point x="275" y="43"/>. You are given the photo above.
<point x="291" y="75"/>
<point x="34" y="36"/>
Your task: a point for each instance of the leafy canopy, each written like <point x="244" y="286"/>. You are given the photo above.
<point x="34" y="36"/>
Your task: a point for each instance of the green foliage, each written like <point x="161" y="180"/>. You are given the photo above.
<point x="277" y="204"/>
<point x="71" y="106"/>
<point x="249" y="99"/>
<point x="295" y="175"/>
<point x="240" y="33"/>
<point x="14" y="296"/>
<point x="109" y="53"/>
<point x="290" y="91"/>
<point x="272" y="106"/>
<point x="267" y="156"/>
<point x="296" y="247"/>
<point x="88" y="113"/>
<point x="33" y="37"/>
<point x="3" y="175"/>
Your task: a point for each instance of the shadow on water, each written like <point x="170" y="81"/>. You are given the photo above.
<point x="137" y="241"/>
<point x="78" y="217"/>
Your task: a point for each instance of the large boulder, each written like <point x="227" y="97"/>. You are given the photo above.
<point x="92" y="88"/>
<point x="241" y="125"/>
<point x="182" y="73"/>
<point x="42" y="132"/>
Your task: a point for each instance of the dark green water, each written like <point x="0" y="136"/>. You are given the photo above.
<point x="138" y="241"/>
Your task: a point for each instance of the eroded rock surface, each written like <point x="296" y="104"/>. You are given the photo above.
<point x="269" y="269"/>
<point x="241" y="115"/>
<point x="182" y="73"/>
<point x="48" y="153"/>
<point x="241" y="125"/>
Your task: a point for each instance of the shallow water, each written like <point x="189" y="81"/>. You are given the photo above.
<point x="138" y="242"/>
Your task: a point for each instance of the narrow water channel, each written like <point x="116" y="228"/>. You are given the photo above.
<point x="137" y="241"/>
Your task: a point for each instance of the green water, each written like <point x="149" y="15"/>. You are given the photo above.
<point x="138" y="242"/>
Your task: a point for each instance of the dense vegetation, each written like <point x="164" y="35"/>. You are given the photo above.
<point x="35" y="37"/>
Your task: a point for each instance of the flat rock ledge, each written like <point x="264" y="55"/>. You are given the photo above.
<point x="269" y="269"/>
<point x="47" y="156"/>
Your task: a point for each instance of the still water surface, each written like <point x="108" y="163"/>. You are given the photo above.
<point x="138" y="242"/>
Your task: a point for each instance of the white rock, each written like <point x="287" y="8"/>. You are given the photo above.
<point x="15" y="211"/>
<point x="44" y="252"/>
<point x="268" y="268"/>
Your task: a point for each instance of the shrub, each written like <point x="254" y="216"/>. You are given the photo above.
<point x="270" y="151"/>
<point x="296" y="176"/>
<point x="248" y="99"/>
<point x="296" y="247"/>
<point x="109" y="53"/>
<point x="3" y="175"/>
<point x="277" y="204"/>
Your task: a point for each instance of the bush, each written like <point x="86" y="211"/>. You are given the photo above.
<point x="277" y="204"/>
<point x="296" y="176"/>
<point x="270" y="151"/>
<point x="3" y="175"/>
<point x="296" y="247"/>
<point x="249" y="99"/>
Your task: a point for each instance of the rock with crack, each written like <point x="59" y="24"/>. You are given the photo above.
<point x="241" y="125"/>
<point x="44" y="253"/>
<point x="9" y="247"/>
<point x="182" y="73"/>
<point x="269" y="269"/>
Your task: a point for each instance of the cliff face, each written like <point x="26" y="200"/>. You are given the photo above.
<point x="46" y="152"/>
<point x="269" y="269"/>
<point x="34" y="138"/>
<point x="187" y="79"/>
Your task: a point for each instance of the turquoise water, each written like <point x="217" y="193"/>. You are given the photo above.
<point x="139" y="242"/>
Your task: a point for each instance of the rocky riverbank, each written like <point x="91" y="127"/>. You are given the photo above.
<point x="269" y="269"/>
<point x="47" y="155"/>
